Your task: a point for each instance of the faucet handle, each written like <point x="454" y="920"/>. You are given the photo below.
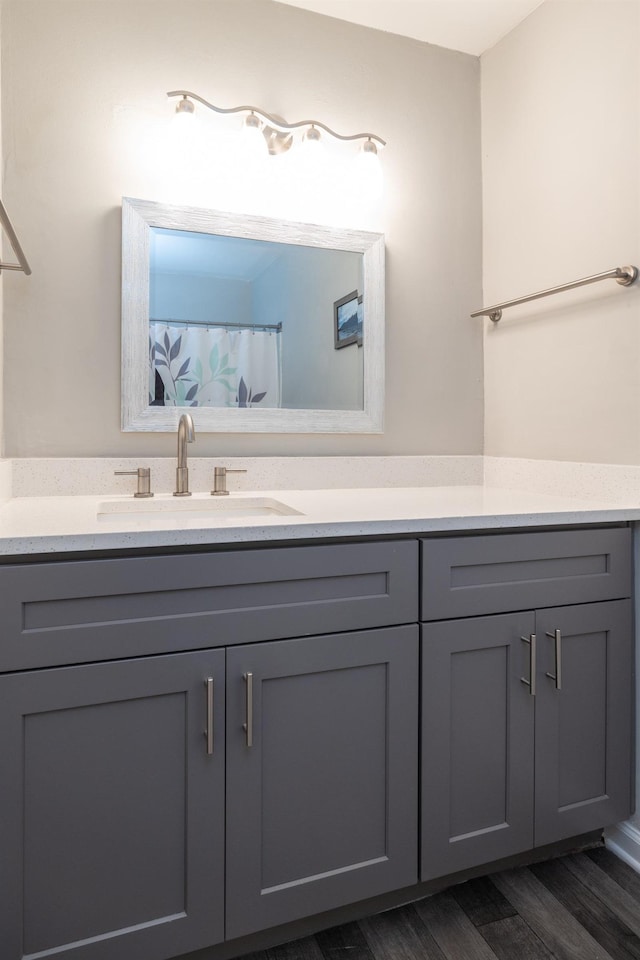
<point x="144" y="480"/>
<point x="220" y="481"/>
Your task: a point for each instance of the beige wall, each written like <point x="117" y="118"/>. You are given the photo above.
<point x="561" y="162"/>
<point x="83" y="95"/>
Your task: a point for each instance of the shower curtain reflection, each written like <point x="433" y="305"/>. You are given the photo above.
<point x="200" y="366"/>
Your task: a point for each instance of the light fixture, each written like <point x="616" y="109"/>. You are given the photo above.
<point x="252" y="135"/>
<point x="277" y="133"/>
<point x="369" y="169"/>
<point x="312" y="136"/>
<point x="252" y="122"/>
<point x="185" y="107"/>
<point x="311" y="151"/>
<point x="369" y="147"/>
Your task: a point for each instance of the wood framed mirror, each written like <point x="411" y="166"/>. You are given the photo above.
<point x="231" y="317"/>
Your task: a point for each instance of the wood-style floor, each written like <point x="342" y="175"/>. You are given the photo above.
<point x="580" y="907"/>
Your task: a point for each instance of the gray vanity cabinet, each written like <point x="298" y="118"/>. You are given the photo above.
<point x="322" y="741"/>
<point x="477" y="742"/>
<point x="120" y="770"/>
<point x="197" y="747"/>
<point x="583" y="751"/>
<point x="132" y="804"/>
<point x="526" y="716"/>
<point x="112" y="810"/>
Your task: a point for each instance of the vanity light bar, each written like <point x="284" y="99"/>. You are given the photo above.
<point x="276" y="131"/>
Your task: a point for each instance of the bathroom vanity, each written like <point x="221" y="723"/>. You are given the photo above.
<point x="205" y="743"/>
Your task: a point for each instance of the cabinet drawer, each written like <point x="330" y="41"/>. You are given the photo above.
<point x="81" y="611"/>
<point x="466" y="576"/>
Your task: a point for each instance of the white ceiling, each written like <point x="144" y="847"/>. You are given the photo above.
<point x="471" y="26"/>
<point x="208" y="255"/>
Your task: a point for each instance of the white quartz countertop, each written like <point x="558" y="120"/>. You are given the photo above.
<point x="41" y="525"/>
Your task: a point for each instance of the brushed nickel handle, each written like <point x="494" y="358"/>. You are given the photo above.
<point x="220" y="481"/>
<point x="144" y="480"/>
<point x="209" y="731"/>
<point x="556" y="636"/>
<point x="248" y="726"/>
<point x="531" y="682"/>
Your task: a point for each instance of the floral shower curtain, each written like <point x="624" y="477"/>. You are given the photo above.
<point x="201" y="366"/>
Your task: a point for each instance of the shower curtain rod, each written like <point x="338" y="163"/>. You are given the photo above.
<point x="625" y="276"/>
<point x="220" y="323"/>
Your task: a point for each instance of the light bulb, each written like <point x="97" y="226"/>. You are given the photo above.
<point x="185" y="112"/>
<point x="311" y="153"/>
<point x="312" y="143"/>
<point x="312" y="138"/>
<point x="369" y="170"/>
<point x="253" y="140"/>
<point x="184" y="132"/>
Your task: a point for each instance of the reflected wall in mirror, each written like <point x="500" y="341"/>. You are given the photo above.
<point x="234" y="315"/>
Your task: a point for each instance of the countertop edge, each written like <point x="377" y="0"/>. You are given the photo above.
<point x="255" y="534"/>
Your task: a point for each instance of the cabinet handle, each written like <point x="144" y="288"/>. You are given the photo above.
<point x="531" y="682"/>
<point x="248" y="726"/>
<point x="209" y="731"/>
<point x="556" y="636"/>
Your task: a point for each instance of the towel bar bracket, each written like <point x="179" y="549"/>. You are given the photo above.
<point x="628" y="275"/>
<point x="22" y="263"/>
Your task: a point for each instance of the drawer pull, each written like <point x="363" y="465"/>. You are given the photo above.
<point x="531" y="682"/>
<point x="556" y="636"/>
<point x="248" y="726"/>
<point x="209" y="731"/>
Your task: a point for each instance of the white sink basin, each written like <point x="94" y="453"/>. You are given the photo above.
<point x="201" y="507"/>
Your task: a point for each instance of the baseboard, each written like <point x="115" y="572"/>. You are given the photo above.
<point x="624" y="841"/>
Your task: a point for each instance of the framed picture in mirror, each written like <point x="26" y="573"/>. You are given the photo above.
<point x="345" y="317"/>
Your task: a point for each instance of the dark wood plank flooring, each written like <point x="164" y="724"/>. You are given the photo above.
<point x="584" y="906"/>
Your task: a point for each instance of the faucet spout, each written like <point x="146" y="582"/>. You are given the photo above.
<point x="186" y="434"/>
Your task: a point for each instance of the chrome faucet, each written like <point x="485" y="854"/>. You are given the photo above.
<point x="186" y="434"/>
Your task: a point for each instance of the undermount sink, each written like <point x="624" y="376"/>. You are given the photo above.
<point x="197" y="507"/>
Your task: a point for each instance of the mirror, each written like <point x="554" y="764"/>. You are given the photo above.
<point x="260" y="325"/>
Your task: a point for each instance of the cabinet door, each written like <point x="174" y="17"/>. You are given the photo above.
<point x="322" y="806"/>
<point x="111" y="816"/>
<point x="477" y="742"/>
<point x="583" y="729"/>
